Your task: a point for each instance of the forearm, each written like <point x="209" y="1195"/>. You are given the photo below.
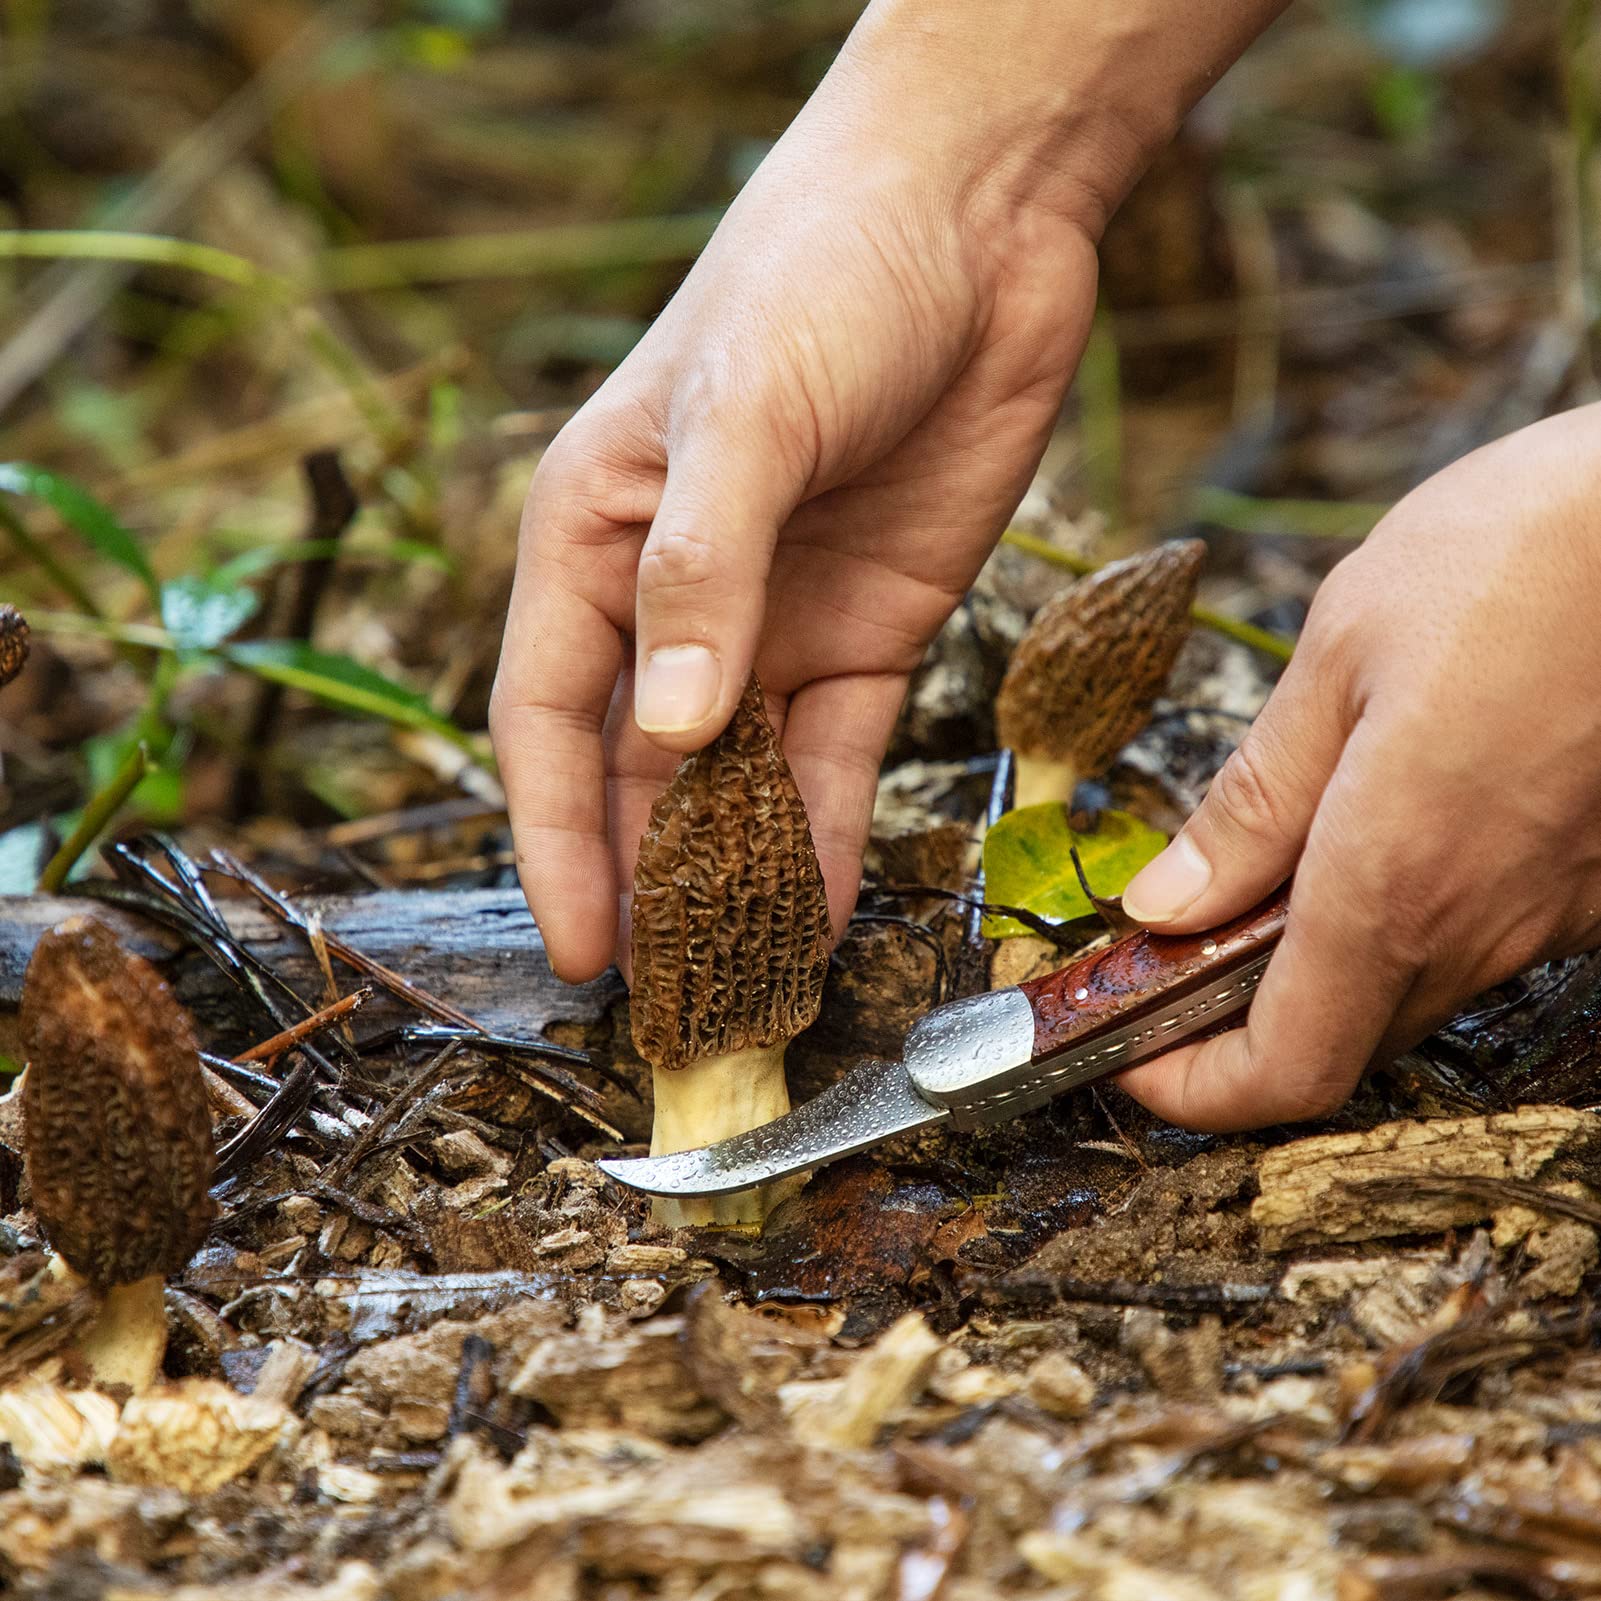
<point x="1055" y="104"/>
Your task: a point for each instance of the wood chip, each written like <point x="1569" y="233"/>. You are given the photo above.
<point x="883" y="1380"/>
<point x="195" y="1436"/>
<point x="1312" y="1191"/>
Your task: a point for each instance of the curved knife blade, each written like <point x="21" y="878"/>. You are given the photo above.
<point x="872" y="1102"/>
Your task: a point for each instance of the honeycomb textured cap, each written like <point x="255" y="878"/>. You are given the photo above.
<point x="731" y="932"/>
<point x="117" y="1130"/>
<point x="13" y="643"/>
<point x="1080" y="684"/>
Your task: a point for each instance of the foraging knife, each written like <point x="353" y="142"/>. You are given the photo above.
<point x="986" y="1058"/>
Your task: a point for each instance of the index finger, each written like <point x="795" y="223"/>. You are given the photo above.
<point x="560" y="662"/>
<point x="1329" y="996"/>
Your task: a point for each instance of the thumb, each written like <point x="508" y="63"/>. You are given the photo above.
<point x="1246" y="836"/>
<point x="701" y="588"/>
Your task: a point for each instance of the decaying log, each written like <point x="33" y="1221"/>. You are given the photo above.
<point x="477" y="948"/>
<point x="1353" y="1186"/>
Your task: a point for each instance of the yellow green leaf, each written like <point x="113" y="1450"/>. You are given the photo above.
<point x="1028" y="862"/>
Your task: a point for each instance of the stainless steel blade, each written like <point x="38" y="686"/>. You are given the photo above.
<point x="869" y="1104"/>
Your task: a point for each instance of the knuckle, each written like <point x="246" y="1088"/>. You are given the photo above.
<point x="679" y="560"/>
<point x="1244" y="790"/>
<point x="1336" y="646"/>
<point x="1524" y="945"/>
<point x="1318" y="1098"/>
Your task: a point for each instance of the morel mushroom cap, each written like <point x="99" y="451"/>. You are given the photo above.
<point x="13" y="643"/>
<point x="1081" y="681"/>
<point x="118" y="1133"/>
<point x="731" y="932"/>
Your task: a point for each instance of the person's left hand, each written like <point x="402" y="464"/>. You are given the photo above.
<point x="1430" y="769"/>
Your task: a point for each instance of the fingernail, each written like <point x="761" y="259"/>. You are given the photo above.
<point x="677" y="689"/>
<point x="1165" y="888"/>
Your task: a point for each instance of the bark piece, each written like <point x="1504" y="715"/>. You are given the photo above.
<point x="1058" y="1385"/>
<point x="630" y="1376"/>
<point x="480" y="947"/>
<point x="1352" y="1186"/>
<point x="54" y="1430"/>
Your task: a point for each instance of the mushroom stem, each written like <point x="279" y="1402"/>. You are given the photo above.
<point x="1038" y="779"/>
<point x="709" y="1100"/>
<point x="126" y="1340"/>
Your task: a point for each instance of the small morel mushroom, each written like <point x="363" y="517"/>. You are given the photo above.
<point x="117" y="1136"/>
<point x="1081" y="681"/>
<point x="730" y="947"/>
<point x="13" y="643"/>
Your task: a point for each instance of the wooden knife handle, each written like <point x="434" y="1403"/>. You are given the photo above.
<point x="1142" y="972"/>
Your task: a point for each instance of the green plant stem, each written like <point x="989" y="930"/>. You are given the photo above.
<point x="336" y="357"/>
<point x="1242" y="633"/>
<point x="1579" y="84"/>
<point x="67" y="622"/>
<point x="1100" y="387"/>
<point x="154" y="250"/>
<point x="40" y="556"/>
<point x="96" y="815"/>
<point x="1312" y="519"/>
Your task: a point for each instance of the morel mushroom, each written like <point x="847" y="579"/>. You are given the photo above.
<point x="1080" y="683"/>
<point x="13" y="643"/>
<point x="117" y="1136"/>
<point x="730" y="947"/>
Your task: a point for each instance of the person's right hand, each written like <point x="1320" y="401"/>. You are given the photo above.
<point x="805" y="462"/>
<point x="801" y="467"/>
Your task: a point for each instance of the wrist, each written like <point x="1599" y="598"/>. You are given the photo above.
<point x="1052" y="106"/>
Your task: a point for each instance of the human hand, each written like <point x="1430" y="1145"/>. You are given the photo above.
<point x="804" y="463"/>
<point x="802" y="467"/>
<point x="1430" y="769"/>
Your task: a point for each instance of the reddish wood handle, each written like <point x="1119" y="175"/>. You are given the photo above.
<point x="1113" y="985"/>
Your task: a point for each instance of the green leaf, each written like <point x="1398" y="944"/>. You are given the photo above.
<point x="341" y="682"/>
<point x="200" y="613"/>
<point x="159" y="796"/>
<point x="1028" y="862"/>
<point x="82" y="512"/>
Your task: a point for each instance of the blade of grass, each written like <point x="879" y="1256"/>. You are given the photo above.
<point x="67" y="622"/>
<point x="262" y="558"/>
<point x="340" y="681"/>
<point x="1243" y="633"/>
<point x="85" y="515"/>
<point x="84" y="244"/>
<point x="64" y="579"/>
<point x="142" y="249"/>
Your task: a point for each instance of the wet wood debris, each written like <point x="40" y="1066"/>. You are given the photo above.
<point x="428" y="1351"/>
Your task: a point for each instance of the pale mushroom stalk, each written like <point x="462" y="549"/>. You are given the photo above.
<point x="730" y="949"/>
<point x="1037" y="779"/>
<point x="1081" y="682"/>
<point x="710" y="1100"/>
<point x="126" y="1342"/>
<point x="117" y="1138"/>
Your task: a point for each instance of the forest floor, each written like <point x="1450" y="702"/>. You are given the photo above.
<point x="427" y="1350"/>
